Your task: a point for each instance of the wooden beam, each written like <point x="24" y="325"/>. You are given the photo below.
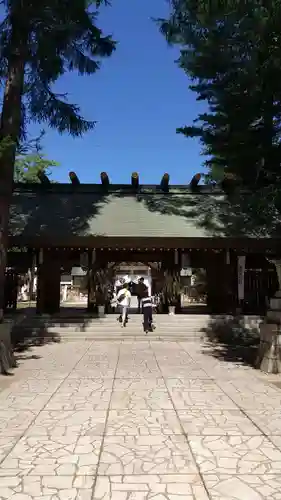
<point x="102" y="242"/>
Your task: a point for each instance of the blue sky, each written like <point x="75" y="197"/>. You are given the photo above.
<point x="138" y="98"/>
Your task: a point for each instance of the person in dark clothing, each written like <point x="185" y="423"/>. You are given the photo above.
<point x="141" y="291"/>
<point x="146" y="303"/>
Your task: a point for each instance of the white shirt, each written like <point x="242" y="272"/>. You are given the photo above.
<point x="127" y="299"/>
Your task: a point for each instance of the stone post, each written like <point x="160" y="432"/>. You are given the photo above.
<point x="7" y="359"/>
<point x="269" y="355"/>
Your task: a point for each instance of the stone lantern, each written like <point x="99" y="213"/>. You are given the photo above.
<point x="269" y="355"/>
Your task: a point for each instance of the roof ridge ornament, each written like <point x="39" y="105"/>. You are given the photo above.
<point x="135" y="181"/>
<point x="43" y="178"/>
<point x="104" y="180"/>
<point x="164" y="184"/>
<point x="74" y="178"/>
<point x="229" y="183"/>
<point x="194" y="183"/>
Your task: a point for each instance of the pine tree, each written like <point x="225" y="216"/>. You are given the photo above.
<point x="39" y="42"/>
<point x="232" y="52"/>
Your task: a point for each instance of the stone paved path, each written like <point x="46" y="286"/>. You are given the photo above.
<point x="138" y="421"/>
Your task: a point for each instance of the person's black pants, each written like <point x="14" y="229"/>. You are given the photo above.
<point x="147" y="318"/>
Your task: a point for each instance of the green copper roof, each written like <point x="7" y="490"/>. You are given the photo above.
<point x="62" y="211"/>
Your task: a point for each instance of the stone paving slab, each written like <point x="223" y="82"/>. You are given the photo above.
<point x="193" y="384"/>
<point x="268" y="421"/>
<point x="138" y="421"/>
<point x="143" y="487"/>
<point x="84" y="386"/>
<point x="6" y="445"/>
<point x="146" y="455"/>
<point x="243" y="487"/>
<point x="276" y="440"/>
<point x="94" y="400"/>
<point x="54" y="455"/>
<point x="68" y="423"/>
<point x="188" y="372"/>
<point x="97" y="370"/>
<point x="138" y="372"/>
<point x="14" y="423"/>
<point x="149" y="399"/>
<point x="217" y="422"/>
<point x="47" y="487"/>
<point x="142" y="423"/>
<point x="25" y="401"/>
<point x="246" y="387"/>
<point x="252" y="400"/>
<point x="236" y="454"/>
<point x="44" y="373"/>
<point x="140" y="384"/>
<point x="214" y="399"/>
<point x="31" y="385"/>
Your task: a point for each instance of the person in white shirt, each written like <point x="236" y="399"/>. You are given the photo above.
<point x="124" y="302"/>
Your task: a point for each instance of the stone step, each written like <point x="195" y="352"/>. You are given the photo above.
<point x="114" y="324"/>
<point x="170" y="328"/>
<point x="121" y="337"/>
<point x="127" y="337"/>
<point x="64" y="331"/>
<point x="80" y="333"/>
<point x="131" y="338"/>
<point x="111" y="326"/>
<point x="112" y="318"/>
<point x="184" y="329"/>
<point x="107" y="331"/>
<point x="136" y="318"/>
<point x="94" y="326"/>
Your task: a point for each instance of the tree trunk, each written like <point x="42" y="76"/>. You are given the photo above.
<point x="10" y="128"/>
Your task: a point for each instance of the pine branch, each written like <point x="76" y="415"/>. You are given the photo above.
<point x="46" y="106"/>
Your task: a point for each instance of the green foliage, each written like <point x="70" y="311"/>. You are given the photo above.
<point x="52" y="37"/>
<point x="28" y="166"/>
<point x="232" y="53"/>
<point x="172" y="287"/>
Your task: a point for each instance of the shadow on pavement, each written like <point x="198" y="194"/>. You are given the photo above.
<point x="34" y="330"/>
<point x="232" y="339"/>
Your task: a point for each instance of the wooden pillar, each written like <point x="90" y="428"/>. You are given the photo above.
<point x="222" y="282"/>
<point x="48" y="283"/>
<point x="171" y="262"/>
<point x="91" y="265"/>
<point x="231" y="282"/>
<point x="212" y="283"/>
<point x="32" y="276"/>
<point x="234" y="280"/>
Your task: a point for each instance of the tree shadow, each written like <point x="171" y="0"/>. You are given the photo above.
<point x="64" y="211"/>
<point x="241" y="214"/>
<point x="59" y="211"/>
<point x="31" y="331"/>
<point x="67" y="211"/>
<point x="232" y="339"/>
